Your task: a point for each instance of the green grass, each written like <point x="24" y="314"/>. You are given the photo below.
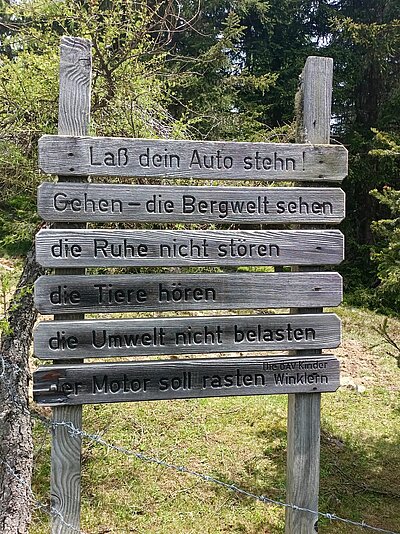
<point x="242" y="441"/>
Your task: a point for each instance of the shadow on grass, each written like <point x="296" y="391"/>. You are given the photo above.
<point x="359" y="478"/>
<point x="359" y="475"/>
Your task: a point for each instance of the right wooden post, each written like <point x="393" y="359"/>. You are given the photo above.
<point x="303" y="449"/>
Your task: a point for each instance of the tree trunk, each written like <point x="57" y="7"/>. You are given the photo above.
<point x="16" y="448"/>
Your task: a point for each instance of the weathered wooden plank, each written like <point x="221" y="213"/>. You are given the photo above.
<point x="304" y="414"/>
<point x="303" y="454"/>
<point x="184" y="335"/>
<point x="164" y="292"/>
<point x="152" y="248"/>
<point x="117" y="202"/>
<point x="116" y="156"/>
<point x="73" y="119"/>
<point x="161" y="380"/>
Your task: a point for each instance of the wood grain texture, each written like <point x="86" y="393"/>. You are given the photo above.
<point x="218" y="205"/>
<point x="164" y="292"/>
<point x="73" y="119"/>
<point x="303" y="454"/>
<point x="116" y="156"/>
<point x="162" y="380"/>
<point x="184" y="335"/>
<point x="75" y="88"/>
<point x="153" y="248"/>
<point x="317" y="99"/>
<point x="66" y="469"/>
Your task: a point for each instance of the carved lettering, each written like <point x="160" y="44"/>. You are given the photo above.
<point x="104" y="249"/>
<point x="260" y="334"/>
<point x="287" y="379"/>
<point x="109" y="158"/>
<point x="175" y="292"/>
<point x="154" y="337"/>
<point x="139" y="381"/>
<point x="208" y="335"/>
<point x="149" y="159"/>
<point x="64" y="249"/>
<point x="124" y="202"/>
<point x="192" y="249"/>
<point x="272" y="162"/>
<point x="240" y="248"/>
<point x="198" y="160"/>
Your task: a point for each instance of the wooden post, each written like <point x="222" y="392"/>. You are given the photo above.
<point x="73" y="119"/>
<point x="303" y="450"/>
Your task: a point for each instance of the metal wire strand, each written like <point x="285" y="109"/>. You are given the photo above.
<point x="49" y="510"/>
<point x="75" y="432"/>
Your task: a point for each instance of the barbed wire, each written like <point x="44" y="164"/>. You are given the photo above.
<point x="75" y="432"/>
<point x="9" y="375"/>
<point x="95" y="438"/>
<point x="49" y="510"/>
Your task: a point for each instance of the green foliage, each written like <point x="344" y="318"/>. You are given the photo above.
<point x="129" y="90"/>
<point x="137" y="80"/>
<point x="18" y="223"/>
<point x="365" y="40"/>
<point x="386" y="250"/>
<point x="8" y="280"/>
<point x="249" y="86"/>
<point x="377" y="265"/>
<point x="389" y="339"/>
<point x="226" y="71"/>
<point x="129" y="94"/>
<point x="363" y="37"/>
<point x="209" y="76"/>
<point x="387" y="253"/>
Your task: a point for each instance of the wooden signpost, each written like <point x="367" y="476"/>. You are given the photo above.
<point x="220" y="160"/>
<point x="184" y="335"/>
<point x="218" y="205"/>
<point x="304" y="411"/>
<point x="70" y="293"/>
<point x="163" y="292"/>
<point x="165" y="380"/>
<point x="161" y="248"/>
<point x="73" y="119"/>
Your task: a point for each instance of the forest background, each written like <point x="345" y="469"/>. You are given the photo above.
<point x="215" y="70"/>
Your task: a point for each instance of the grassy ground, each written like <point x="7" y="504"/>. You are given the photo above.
<point x="243" y="441"/>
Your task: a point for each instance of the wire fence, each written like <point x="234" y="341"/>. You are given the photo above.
<point x="49" y="510"/>
<point x="94" y="438"/>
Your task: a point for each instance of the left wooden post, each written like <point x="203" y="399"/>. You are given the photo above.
<point x="73" y="119"/>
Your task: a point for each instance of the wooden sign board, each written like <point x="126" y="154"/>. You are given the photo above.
<point x="184" y="335"/>
<point x="116" y="156"/>
<point x="103" y="202"/>
<point x="160" y="380"/>
<point x="163" y="248"/>
<point x="164" y="292"/>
